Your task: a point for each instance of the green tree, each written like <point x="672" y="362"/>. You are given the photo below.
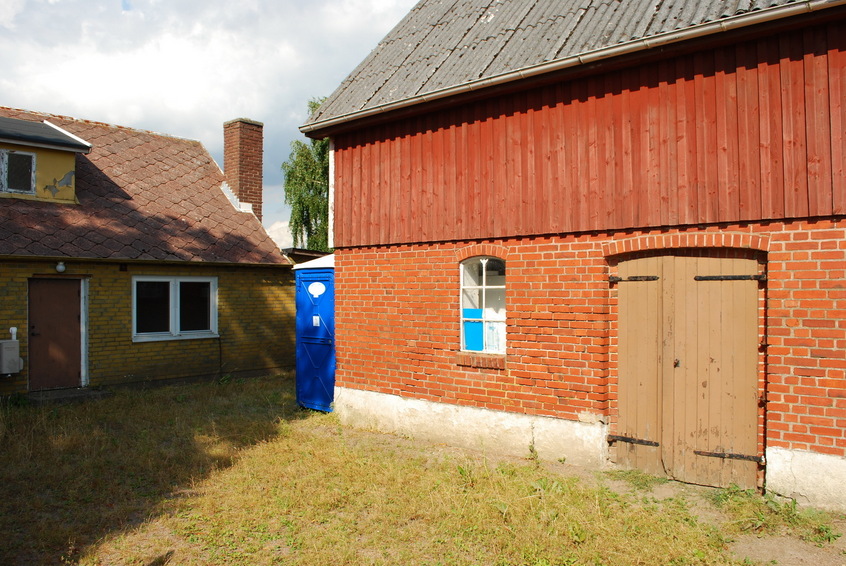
<point x="307" y="190"/>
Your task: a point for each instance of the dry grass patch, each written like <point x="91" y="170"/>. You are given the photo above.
<point x="236" y="474"/>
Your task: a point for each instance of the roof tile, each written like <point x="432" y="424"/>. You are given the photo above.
<point x="141" y="195"/>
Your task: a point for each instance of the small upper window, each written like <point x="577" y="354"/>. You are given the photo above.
<point x="483" y="305"/>
<point x="17" y="172"/>
<point x="167" y="308"/>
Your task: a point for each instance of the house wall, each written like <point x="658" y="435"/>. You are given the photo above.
<point x="51" y="166"/>
<point x="256" y="322"/>
<point x="742" y="132"/>
<point x="561" y="336"/>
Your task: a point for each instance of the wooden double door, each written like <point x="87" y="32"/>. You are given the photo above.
<point x="688" y="392"/>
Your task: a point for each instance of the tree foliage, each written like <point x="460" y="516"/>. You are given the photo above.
<point x="307" y="190"/>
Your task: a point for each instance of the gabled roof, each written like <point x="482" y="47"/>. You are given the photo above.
<point x="40" y="134"/>
<point x="446" y="47"/>
<point x="142" y="196"/>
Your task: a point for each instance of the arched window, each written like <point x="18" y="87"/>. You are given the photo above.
<point x="483" y="305"/>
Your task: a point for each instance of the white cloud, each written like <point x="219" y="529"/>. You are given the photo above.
<point x="184" y="68"/>
<point x="9" y="9"/>
<point x="279" y="233"/>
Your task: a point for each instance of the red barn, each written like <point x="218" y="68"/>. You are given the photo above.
<point x="612" y="232"/>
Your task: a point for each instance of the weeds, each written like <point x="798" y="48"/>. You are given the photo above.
<point x="757" y="513"/>
<point x="637" y="479"/>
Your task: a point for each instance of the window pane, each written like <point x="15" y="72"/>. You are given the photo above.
<point x="152" y="306"/>
<point x="472" y="273"/>
<point x="471" y="299"/>
<point x="194" y="305"/>
<point x="495" y="272"/>
<point x="20" y="172"/>
<point x="495" y="337"/>
<point x="495" y="304"/>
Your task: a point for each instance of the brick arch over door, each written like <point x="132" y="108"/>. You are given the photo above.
<point x="688" y="365"/>
<point x="682" y="240"/>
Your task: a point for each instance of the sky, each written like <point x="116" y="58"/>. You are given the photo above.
<point x="184" y="67"/>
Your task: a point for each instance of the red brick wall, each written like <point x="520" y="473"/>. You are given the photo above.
<point x="242" y="160"/>
<point x="398" y="324"/>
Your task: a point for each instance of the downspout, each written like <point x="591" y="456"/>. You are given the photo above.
<point x="702" y="30"/>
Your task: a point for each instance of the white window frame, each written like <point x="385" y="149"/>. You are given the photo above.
<point x="4" y="172"/>
<point x="174" y="333"/>
<point x="489" y="321"/>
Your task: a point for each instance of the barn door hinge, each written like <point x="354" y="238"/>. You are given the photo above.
<point x="615" y="279"/>
<point x="730" y="456"/>
<point x="611" y="438"/>
<point x="759" y="277"/>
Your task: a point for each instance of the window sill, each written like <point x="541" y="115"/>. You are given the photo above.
<point x="480" y="360"/>
<point x="167" y="336"/>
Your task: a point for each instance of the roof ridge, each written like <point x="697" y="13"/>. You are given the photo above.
<point x="49" y="115"/>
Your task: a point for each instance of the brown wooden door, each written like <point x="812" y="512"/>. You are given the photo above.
<point x="55" y="343"/>
<point x="688" y="367"/>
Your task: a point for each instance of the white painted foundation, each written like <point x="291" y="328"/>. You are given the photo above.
<point x="580" y="443"/>
<point x="810" y="478"/>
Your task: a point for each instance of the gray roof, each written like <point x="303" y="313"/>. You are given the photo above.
<point x="41" y="134"/>
<point x="444" y="46"/>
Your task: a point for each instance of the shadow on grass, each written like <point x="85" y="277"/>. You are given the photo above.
<point x="74" y="474"/>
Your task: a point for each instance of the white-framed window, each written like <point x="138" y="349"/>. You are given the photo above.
<point x="17" y="172"/>
<point x="173" y="308"/>
<point x="483" y="305"/>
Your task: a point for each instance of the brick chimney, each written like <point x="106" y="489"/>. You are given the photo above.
<point x="242" y="160"/>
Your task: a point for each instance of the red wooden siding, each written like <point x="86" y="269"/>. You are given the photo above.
<point x="746" y="132"/>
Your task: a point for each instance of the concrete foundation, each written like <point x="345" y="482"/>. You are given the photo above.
<point x="577" y="442"/>
<point x="808" y="477"/>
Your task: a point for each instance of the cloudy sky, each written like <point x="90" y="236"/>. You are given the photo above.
<point x="184" y="67"/>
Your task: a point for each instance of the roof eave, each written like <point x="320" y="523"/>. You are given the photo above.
<point x="316" y="129"/>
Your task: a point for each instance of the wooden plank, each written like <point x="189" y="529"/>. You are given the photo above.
<point x="770" y="133"/>
<point x="626" y="164"/>
<point x="686" y="121"/>
<point x="727" y="160"/>
<point x="672" y="421"/>
<point x="395" y="184"/>
<point x="579" y="160"/>
<point x="667" y="145"/>
<point x="607" y="149"/>
<point x="651" y="141"/>
<point x="367" y="216"/>
<point x="706" y="137"/>
<point x="749" y="148"/>
<point x="793" y="122"/>
<point x="459" y="165"/>
<point x="817" y="123"/>
<point x="591" y="129"/>
<point x="638" y="363"/>
<point x="836" y="34"/>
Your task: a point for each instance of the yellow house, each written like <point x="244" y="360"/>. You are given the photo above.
<point x="128" y="256"/>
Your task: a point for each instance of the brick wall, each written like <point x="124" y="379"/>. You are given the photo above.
<point x="256" y="313"/>
<point x="398" y="324"/>
<point x="242" y="160"/>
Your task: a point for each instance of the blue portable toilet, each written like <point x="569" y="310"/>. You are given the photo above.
<point x="315" y="297"/>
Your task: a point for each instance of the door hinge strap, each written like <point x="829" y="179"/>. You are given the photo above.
<point x="759" y="277"/>
<point x="616" y="438"/>
<point x="729" y="456"/>
<point x="615" y="279"/>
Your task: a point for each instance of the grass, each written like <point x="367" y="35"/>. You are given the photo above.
<point x="751" y="512"/>
<point x="235" y="473"/>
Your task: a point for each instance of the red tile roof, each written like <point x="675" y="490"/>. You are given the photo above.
<point x="142" y="196"/>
